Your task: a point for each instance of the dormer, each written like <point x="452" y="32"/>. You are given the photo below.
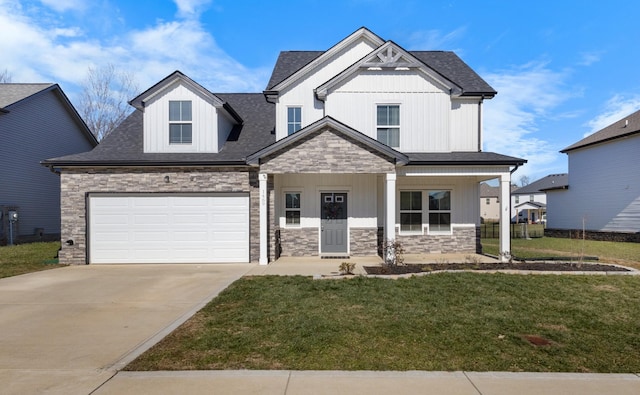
<point x="182" y="116"/>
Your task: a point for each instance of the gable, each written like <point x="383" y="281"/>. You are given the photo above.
<point x="388" y="60"/>
<point x="327" y="151"/>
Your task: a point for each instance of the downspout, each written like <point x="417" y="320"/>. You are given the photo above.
<point x="480" y="123"/>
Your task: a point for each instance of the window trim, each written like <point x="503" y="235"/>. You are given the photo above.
<point x="449" y="211"/>
<point x="410" y="211"/>
<point x="181" y="122"/>
<point x="292" y="209"/>
<point x="290" y="122"/>
<point x="398" y="126"/>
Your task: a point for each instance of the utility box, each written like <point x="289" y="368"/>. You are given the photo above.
<point x="10" y="219"/>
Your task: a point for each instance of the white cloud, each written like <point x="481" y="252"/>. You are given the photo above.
<point x="615" y="109"/>
<point x="528" y="95"/>
<point x="589" y="58"/>
<point x="65" y="5"/>
<point x="435" y="39"/>
<point x="191" y="8"/>
<point x="52" y="49"/>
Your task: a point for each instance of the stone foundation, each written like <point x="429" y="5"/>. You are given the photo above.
<point x="463" y="240"/>
<point x="593" y="235"/>
<point x="299" y="241"/>
<point x="364" y="241"/>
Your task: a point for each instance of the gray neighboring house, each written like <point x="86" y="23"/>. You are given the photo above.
<point x="347" y="147"/>
<point x="602" y="195"/>
<point x="529" y="203"/>
<point x="37" y="121"/>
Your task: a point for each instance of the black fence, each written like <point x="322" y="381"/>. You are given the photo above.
<point x="518" y="231"/>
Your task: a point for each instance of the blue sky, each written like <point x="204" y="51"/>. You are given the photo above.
<point x="562" y="69"/>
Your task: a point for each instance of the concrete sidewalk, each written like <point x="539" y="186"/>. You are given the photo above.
<point x="368" y="383"/>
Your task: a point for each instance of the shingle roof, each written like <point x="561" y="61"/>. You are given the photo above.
<point x="446" y="63"/>
<point x="487" y="190"/>
<point x="124" y="144"/>
<point x="626" y="126"/>
<point x="463" y="158"/>
<point x="552" y="181"/>
<point x="12" y="93"/>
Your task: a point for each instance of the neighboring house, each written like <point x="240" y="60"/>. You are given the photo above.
<point x="602" y="195"/>
<point x="37" y="121"/>
<point x="489" y="203"/>
<point x="529" y="203"/>
<point x="346" y="148"/>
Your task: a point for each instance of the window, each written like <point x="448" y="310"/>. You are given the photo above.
<point x="488" y="201"/>
<point x="439" y="211"/>
<point x="411" y="211"/>
<point x="531" y="199"/>
<point x="292" y="208"/>
<point x="388" y="125"/>
<point x="517" y="199"/>
<point x="180" y="127"/>
<point x="294" y="119"/>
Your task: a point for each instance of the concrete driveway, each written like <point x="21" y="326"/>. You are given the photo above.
<point x="68" y="330"/>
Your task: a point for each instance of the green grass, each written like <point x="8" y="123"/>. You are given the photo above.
<point x="607" y="251"/>
<point x="442" y="322"/>
<point x="27" y="258"/>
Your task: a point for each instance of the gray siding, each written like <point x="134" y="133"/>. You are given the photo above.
<point x="604" y="189"/>
<point x="38" y="128"/>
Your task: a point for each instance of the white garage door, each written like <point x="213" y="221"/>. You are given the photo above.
<point x="168" y="228"/>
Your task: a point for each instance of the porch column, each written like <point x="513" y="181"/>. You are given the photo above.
<point x="390" y="207"/>
<point x="264" y="208"/>
<point x="505" y="217"/>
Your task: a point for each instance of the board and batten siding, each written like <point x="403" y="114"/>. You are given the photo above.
<point x="361" y="197"/>
<point x="301" y="94"/>
<point x="36" y="129"/>
<point x="604" y="189"/>
<point x="207" y="136"/>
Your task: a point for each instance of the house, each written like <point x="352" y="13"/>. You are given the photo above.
<point x="602" y="195"/>
<point x="529" y="203"/>
<point x="346" y="148"/>
<point x="489" y="203"/>
<point x="37" y="121"/>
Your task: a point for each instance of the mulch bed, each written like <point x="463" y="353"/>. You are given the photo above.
<point x="532" y="266"/>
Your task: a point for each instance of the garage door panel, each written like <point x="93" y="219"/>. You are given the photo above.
<point x="168" y="229"/>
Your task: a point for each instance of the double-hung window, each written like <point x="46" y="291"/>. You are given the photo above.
<point x="388" y="125"/>
<point x="410" y="211"/>
<point x="292" y="208"/>
<point x="439" y="211"/>
<point x="180" y="125"/>
<point x="294" y="119"/>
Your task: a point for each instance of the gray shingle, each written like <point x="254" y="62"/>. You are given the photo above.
<point x="552" y="181"/>
<point x="463" y="158"/>
<point x="124" y="144"/>
<point x="624" y="127"/>
<point x="12" y="93"/>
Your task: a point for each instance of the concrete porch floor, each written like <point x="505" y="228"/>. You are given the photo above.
<point x="313" y="265"/>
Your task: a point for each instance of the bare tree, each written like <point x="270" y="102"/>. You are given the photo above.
<point x="104" y="100"/>
<point x="524" y="180"/>
<point x="5" y="76"/>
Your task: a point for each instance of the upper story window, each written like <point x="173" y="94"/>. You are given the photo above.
<point x="294" y="119"/>
<point x="388" y="125"/>
<point x="180" y="125"/>
<point x="517" y="199"/>
<point x="531" y="198"/>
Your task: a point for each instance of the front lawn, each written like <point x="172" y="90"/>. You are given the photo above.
<point x="627" y="254"/>
<point x="440" y="322"/>
<point x="27" y="258"/>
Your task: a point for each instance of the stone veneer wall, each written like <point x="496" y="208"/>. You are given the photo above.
<point x="299" y="241"/>
<point x="327" y="152"/>
<point x="593" y="235"/>
<point x="364" y="241"/>
<point x="76" y="183"/>
<point x="463" y="240"/>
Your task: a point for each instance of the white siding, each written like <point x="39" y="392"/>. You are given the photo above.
<point x="464" y="125"/>
<point x="205" y="125"/>
<point x="361" y="198"/>
<point x="604" y="189"/>
<point x="302" y="93"/>
<point x="37" y="129"/>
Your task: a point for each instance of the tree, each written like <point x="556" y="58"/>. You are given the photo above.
<point x="104" y="99"/>
<point x="524" y="180"/>
<point x="5" y="76"/>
